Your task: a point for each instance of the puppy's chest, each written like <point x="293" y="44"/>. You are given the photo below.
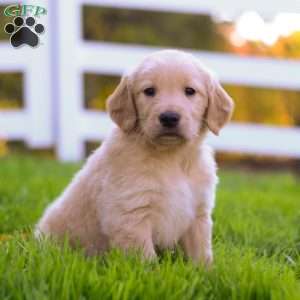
<point x="173" y="210"/>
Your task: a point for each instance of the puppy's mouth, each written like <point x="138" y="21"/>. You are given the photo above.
<point x="170" y="138"/>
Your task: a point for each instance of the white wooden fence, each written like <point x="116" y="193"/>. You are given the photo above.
<point x="53" y="89"/>
<point x="34" y="123"/>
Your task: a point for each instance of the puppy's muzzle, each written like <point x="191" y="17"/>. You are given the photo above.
<point x="169" y="119"/>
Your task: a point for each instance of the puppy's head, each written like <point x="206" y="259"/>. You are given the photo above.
<point x="169" y="98"/>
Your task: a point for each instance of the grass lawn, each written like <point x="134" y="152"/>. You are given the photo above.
<point x="256" y="244"/>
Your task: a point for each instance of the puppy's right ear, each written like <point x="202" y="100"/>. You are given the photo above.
<point x="121" y="106"/>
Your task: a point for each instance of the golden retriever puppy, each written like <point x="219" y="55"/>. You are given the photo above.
<point x="151" y="184"/>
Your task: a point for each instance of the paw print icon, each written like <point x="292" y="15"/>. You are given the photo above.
<point x="24" y="31"/>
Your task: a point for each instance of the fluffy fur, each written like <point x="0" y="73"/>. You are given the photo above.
<point x="148" y="186"/>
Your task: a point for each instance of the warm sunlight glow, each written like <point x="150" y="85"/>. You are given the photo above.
<point x="251" y="26"/>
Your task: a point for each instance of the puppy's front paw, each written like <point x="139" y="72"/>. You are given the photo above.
<point x="149" y="254"/>
<point x="207" y="259"/>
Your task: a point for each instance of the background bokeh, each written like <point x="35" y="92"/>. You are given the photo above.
<point x="199" y="32"/>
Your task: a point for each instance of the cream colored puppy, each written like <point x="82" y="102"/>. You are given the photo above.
<point x="152" y="182"/>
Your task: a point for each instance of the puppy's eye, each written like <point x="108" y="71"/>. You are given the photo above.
<point x="189" y="91"/>
<point x="150" y="91"/>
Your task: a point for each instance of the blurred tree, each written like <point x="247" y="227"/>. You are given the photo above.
<point x="97" y="89"/>
<point x="152" y="28"/>
<point x="11" y="91"/>
<point x="265" y="106"/>
<point x="3" y="21"/>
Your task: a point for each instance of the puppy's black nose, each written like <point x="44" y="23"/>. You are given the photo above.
<point x="169" y="119"/>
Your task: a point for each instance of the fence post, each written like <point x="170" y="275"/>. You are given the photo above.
<point x="68" y="81"/>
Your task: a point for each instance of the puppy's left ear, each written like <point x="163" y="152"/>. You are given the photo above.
<point x="220" y="106"/>
<point x="121" y="106"/>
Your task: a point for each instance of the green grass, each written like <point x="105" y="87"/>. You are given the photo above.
<point x="256" y="244"/>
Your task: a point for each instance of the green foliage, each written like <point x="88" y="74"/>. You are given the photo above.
<point x="154" y="28"/>
<point x="11" y="95"/>
<point x="3" y="20"/>
<point x="256" y="243"/>
<point x="265" y="106"/>
<point x="25" y="189"/>
<point x="97" y="90"/>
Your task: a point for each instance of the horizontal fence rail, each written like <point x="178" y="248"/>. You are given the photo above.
<point x="229" y="68"/>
